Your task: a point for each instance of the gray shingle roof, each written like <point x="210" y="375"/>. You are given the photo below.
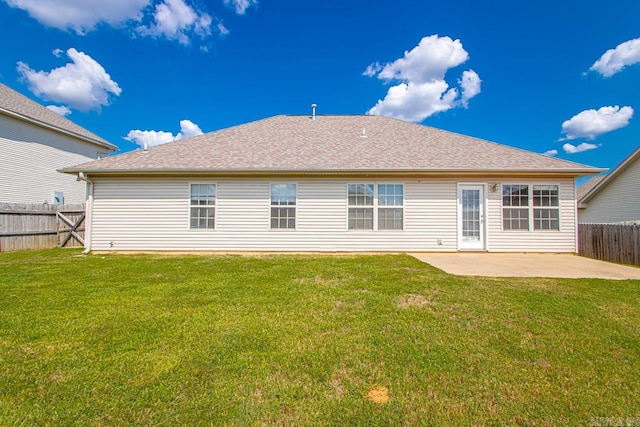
<point x="587" y="186"/>
<point x="18" y="104"/>
<point x="331" y="144"/>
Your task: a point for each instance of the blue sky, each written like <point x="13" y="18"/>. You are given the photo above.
<point x="559" y="75"/>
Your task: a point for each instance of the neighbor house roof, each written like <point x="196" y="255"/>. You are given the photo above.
<point x="358" y="144"/>
<point x="19" y="106"/>
<point x="597" y="183"/>
<point x="588" y="185"/>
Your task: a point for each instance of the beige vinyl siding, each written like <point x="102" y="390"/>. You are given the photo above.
<point x="618" y="201"/>
<point x="153" y="214"/>
<point x="562" y="240"/>
<point x="29" y="159"/>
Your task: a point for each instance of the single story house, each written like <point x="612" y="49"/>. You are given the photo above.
<point x="34" y="143"/>
<point x="331" y="183"/>
<point x="614" y="197"/>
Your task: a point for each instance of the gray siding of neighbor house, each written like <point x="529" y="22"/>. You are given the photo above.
<point x="618" y="200"/>
<point x="152" y="214"/>
<point x="29" y="158"/>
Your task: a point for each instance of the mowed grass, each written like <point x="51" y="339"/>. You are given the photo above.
<point x="110" y="340"/>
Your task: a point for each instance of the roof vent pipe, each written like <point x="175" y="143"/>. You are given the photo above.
<point x="145" y="148"/>
<point x="313" y="112"/>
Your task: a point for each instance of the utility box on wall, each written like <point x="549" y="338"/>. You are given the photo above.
<point x="58" y="198"/>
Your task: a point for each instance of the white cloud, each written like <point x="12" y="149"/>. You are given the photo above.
<point x="59" y="109"/>
<point x="151" y="138"/>
<point x="470" y="83"/>
<point x="188" y="129"/>
<point x="591" y="123"/>
<point x="241" y="6"/>
<point x="552" y="153"/>
<point x="414" y="102"/>
<point x="81" y="16"/>
<point x="174" y="19"/>
<point x="222" y="29"/>
<point x="426" y="62"/>
<point x="422" y="89"/>
<point x="82" y="84"/>
<point x="372" y="69"/>
<point x="573" y="149"/>
<point x="614" y="60"/>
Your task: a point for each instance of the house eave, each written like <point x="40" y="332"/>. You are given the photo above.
<point x="615" y="172"/>
<point x="476" y="173"/>
<point x="17" y="116"/>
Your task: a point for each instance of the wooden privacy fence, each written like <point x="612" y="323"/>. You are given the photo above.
<point x="610" y="242"/>
<point x="39" y="226"/>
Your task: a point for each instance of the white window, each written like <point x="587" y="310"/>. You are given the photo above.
<point x="375" y="210"/>
<point x="523" y="203"/>
<point x="283" y="206"/>
<point x="203" y="206"/>
<point x="515" y="207"/>
<point x="360" y="199"/>
<point x="546" y="211"/>
<point x="390" y="202"/>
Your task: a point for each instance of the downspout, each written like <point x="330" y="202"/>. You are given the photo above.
<point x="88" y="212"/>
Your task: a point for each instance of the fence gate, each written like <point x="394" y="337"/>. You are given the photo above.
<point x="70" y="225"/>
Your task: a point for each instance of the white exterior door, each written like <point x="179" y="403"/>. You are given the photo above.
<point x="471" y="217"/>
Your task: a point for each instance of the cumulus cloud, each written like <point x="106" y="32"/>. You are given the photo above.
<point x="59" y="109"/>
<point x="151" y="138"/>
<point x="470" y="83"/>
<point x="592" y="123"/>
<point x="415" y="102"/>
<point x="176" y="20"/>
<point x="241" y="6"/>
<point x="422" y="90"/>
<point x="82" y="84"/>
<point x="552" y="153"/>
<point x="614" y="60"/>
<point x="81" y="16"/>
<point x="573" y="149"/>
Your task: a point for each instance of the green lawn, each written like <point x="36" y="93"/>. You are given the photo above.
<point x="301" y="340"/>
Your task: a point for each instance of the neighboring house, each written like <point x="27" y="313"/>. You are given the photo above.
<point x="34" y="143"/>
<point x="331" y="183"/>
<point x="614" y="197"/>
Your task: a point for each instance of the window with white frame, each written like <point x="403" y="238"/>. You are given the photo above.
<point x="515" y="207"/>
<point x="203" y="206"/>
<point x="360" y="200"/>
<point x="546" y="207"/>
<point x="375" y="210"/>
<point x="523" y="204"/>
<point x="283" y="206"/>
<point x="390" y="210"/>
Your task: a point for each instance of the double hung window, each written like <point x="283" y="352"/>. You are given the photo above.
<point x="546" y="211"/>
<point x="360" y="206"/>
<point x="203" y="206"/>
<point x="283" y="206"/>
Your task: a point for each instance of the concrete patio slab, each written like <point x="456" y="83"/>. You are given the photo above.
<point x="527" y="265"/>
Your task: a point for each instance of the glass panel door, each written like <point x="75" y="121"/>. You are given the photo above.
<point x="471" y="217"/>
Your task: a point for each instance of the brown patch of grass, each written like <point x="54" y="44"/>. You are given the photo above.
<point x="412" y="300"/>
<point x="319" y="280"/>
<point x="379" y="395"/>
